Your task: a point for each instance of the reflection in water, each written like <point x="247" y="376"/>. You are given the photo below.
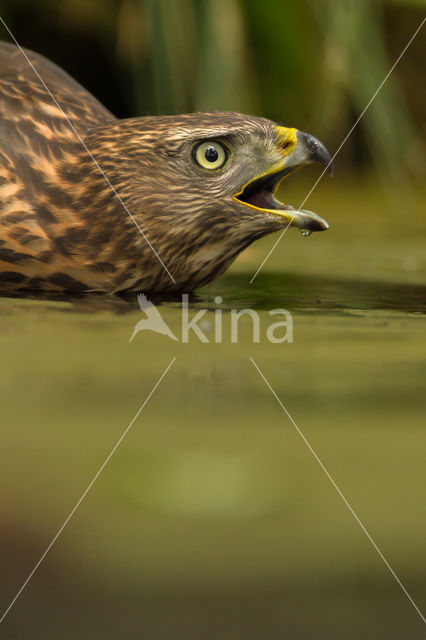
<point x="304" y="293"/>
<point x="212" y="517"/>
<point x="308" y="293"/>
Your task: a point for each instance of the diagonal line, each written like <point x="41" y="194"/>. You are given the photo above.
<point x="80" y="139"/>
<point x="86" y="491"/>
<point x="361" y="115"/>
<point x="282" y="234"/>
<point x="338" y="491"/>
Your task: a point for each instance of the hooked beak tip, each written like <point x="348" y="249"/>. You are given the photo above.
<point x="316" y="151"/>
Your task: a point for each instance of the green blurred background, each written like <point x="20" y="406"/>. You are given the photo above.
<point x="313" y="64"/>
<point x="213" y="520"/>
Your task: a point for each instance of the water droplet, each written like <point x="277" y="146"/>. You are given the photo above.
<point x="305" y="232"/>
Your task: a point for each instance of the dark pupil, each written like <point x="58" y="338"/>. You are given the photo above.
<point x="211" y="154"/>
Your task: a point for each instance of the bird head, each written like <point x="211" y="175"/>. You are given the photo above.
<point x="202" y="186"/>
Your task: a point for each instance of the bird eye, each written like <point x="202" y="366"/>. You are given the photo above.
<point x="210" y="155"/>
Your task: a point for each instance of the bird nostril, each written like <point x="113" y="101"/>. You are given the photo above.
<point x="286" y="145"/>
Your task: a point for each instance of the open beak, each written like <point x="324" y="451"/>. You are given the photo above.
<point x="260" y="192"/>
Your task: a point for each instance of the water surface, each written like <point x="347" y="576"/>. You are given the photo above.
<point x="213" y="519"/>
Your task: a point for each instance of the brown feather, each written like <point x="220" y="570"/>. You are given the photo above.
<point x="61" y="225"/>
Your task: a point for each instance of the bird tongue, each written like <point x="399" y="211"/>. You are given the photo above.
<point x="263" y="200"/>
<point x="303" y="218"/>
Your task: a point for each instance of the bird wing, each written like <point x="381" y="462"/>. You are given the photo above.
<point x="33" y="130"/>
<point x="37" y="146"/>
<point x="24" y="98"/>
<point x="155" y="320"/>
<point x="143" y="301"/>
<point x="150" y="310"/>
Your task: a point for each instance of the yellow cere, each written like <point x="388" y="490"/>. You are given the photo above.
<point x="287" y="139"/>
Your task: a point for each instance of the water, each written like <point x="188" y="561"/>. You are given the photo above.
<point x="213" y="518"/>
